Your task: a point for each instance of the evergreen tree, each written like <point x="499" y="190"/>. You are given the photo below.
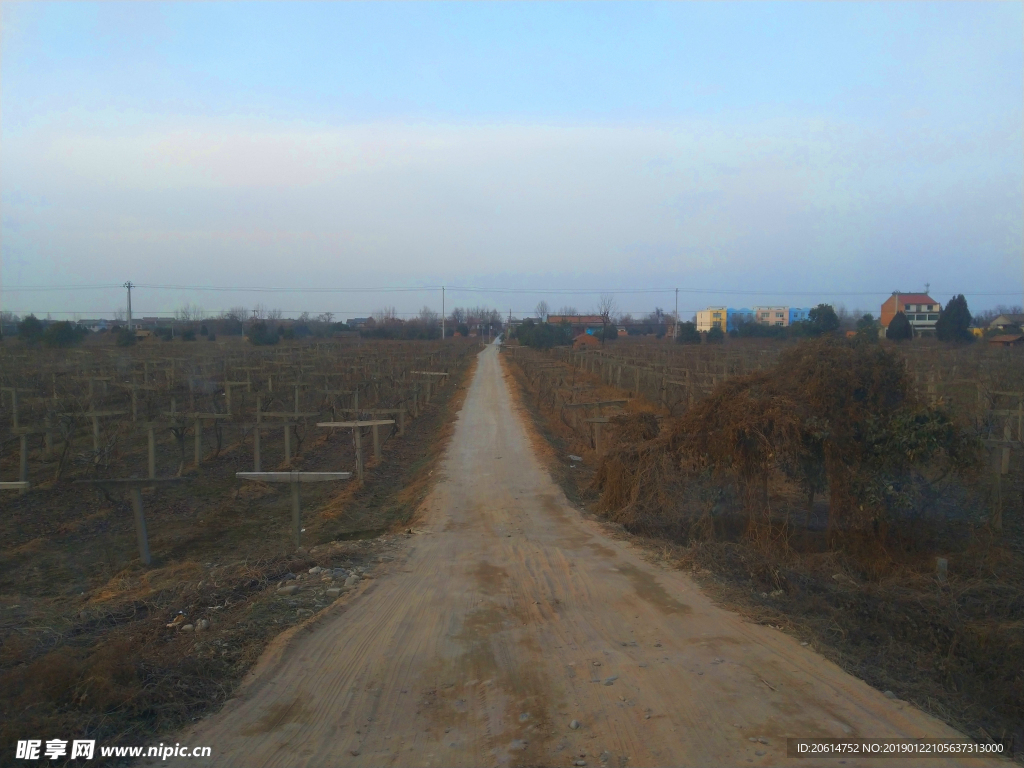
<point x="954" y="322"/>
<point x="867" y="328"/>
<point x="822" y="319"/>
<point x="715" y="336"/>
<point x="688" y="334"/>
<point x="30" y="329"/>
<point x="899" y="328"/>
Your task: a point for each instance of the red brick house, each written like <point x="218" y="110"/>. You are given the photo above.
<point x="921" y="310"/>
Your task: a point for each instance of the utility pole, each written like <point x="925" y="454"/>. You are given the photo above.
<point x="675" y="328"/>
<point x="442" y="313"/>
<point x="129" y="286"/>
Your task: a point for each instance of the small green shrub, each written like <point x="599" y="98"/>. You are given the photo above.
<point x="899" y="328"/>
<point x="688" y="334"/>
<point x="63" y="335"/>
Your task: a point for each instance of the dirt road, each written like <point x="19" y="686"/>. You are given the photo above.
<point x="513" y="616"/>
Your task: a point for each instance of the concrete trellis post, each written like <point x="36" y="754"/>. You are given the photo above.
<point x="96" y="416"/>
<point x="597" y="422"/>
<point x="356" y="427"/>
<point x="134" y="485"/>
<point x="294" y="479"/>
<point x="397" y="412"/>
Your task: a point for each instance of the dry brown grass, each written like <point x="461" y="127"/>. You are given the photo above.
<point x="84" y="647"/>
<point x="722" y="486"/>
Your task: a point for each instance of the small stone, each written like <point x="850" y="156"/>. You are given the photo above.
<point x="354" y="752"/>
<point x="611" y="680"/>
<point x="352" y="580"/>
<point x="643" y="663"/>
<point x="657" y="645"/>
<point x="575" y="725"/>
<point x="580" y="762"/>
<point x="647" y="717"/>
<point x="187" y="628"/>
<point x="315" y="569"/>
<point x="333" y="592"/>
<point x="760" y="752"/>
<point x="597" y="663"/>
<point x="303" y="612"/>
<point x="291" y="589"/>
<point x="889" y="695"/>
<point x="202" y="625"/>
<point x="804" y="643"/>
<point x="762" y="739"/>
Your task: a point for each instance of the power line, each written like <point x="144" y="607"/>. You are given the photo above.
<point x="472" y="289"/>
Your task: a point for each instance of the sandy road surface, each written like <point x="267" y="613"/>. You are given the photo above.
<point x="514" y="616"/>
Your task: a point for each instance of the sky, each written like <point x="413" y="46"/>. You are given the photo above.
<point x="743" y="153"/>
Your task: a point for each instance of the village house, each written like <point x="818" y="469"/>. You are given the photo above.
<point x="1007" y="322"/>
<point x="1007" y="340"/>
<point x="921" y="310"/>
<point x="579" y="324"/>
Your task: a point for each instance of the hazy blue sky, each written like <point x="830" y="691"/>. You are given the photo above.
<point x="776" y="152"/>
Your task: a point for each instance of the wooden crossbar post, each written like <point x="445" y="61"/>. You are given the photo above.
<point x="23" y="460"/>
<point x="256" y="437"/>
<point x="198" y="432"/>
<point x="141" y="535"/>
<point x="597" y="422"/>
<point x="359" y="452"/>
<point x="357" y="426"/>
<point x="134" y="486"/>
<point x="294" y="479"/>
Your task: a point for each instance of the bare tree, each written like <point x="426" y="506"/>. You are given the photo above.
<point x="119" y="315"/>
<point x="542" y="310"/>
<point x="458" y="316"/>
<point x="259" y="312"/>
<point x="241" y="314"/>
<point x="189" y="313"/>
<point x="986" y="316"/>
<point x="386" y="315"/>
<point x="274" y="314"/>
<point x="324" y="317"/>
<point x="429" y="317"/>
<point x="568" y="310"/>
<point x="606" y="308"/>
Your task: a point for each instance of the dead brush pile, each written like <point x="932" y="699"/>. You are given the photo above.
<point x="734" y="480"/>
<point x="831" y="416"/>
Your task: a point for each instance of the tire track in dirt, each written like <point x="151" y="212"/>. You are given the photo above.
<point x="512" y="616"/>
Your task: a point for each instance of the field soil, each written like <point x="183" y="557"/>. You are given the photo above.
<point x="91" y="641"/>
<point x="515" y="630"/>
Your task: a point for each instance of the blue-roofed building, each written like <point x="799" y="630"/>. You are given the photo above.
<point x="797" y="315"/>
<point x="735" y="317"/>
